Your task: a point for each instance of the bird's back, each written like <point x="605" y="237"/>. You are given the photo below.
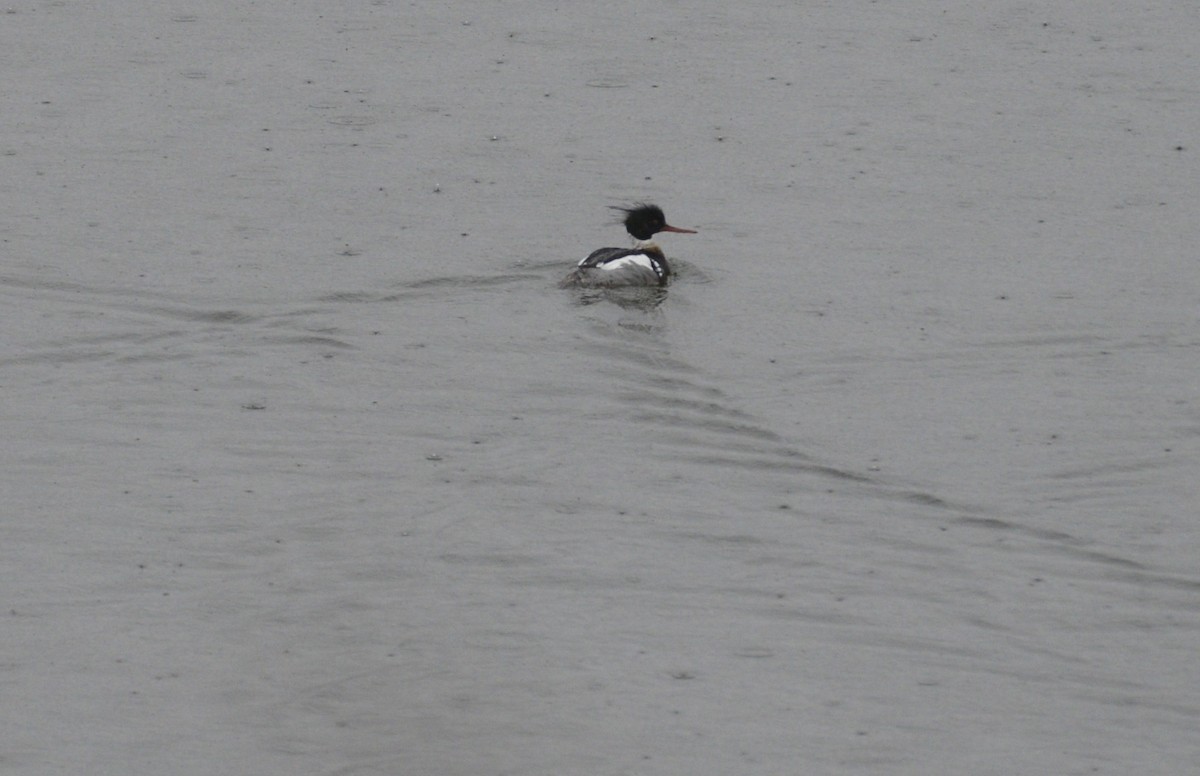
<point x="641" y="266"/>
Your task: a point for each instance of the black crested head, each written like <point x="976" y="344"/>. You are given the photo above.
<point x="643" y="220"/>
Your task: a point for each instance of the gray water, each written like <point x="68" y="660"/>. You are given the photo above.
<point x="311" y="468"/>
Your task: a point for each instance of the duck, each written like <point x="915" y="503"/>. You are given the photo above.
<point x="644" y="264"/>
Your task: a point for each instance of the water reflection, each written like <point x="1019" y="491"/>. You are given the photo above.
<point x="641" y="298"/>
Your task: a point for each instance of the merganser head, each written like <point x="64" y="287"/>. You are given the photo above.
<point x="644" y="220"/>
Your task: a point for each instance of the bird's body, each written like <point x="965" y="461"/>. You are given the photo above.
<point x="642" y="265"/>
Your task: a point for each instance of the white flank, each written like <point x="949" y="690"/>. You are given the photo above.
<point x="626" y="262"/>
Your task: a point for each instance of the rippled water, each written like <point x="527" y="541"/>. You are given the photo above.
<point x="482" y="522"/>
<point x="311" y="467"/>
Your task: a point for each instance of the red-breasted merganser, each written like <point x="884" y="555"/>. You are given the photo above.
<point x="642" y="265"/>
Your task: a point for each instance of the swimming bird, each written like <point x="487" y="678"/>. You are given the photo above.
<point x="642" y="265"/>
